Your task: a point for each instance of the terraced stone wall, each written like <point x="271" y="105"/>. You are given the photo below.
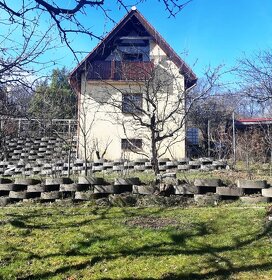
<point x="166" y="191"/>
<point x="48" y="156"/>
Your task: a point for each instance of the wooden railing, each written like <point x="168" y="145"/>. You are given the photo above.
<point x="117" y="70"/>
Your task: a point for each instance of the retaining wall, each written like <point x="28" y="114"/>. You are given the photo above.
<point x="167" y="190"/>
<point x="48" y="156"/>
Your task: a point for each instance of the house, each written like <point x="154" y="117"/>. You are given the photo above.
<point x="131" y="91"/>
<point x="242" y="124"/>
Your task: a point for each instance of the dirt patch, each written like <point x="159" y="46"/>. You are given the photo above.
<point x="152" y="222"/>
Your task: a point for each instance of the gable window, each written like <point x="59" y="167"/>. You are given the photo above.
<point x="132" y="103"/>
<point x="131" y="144"/>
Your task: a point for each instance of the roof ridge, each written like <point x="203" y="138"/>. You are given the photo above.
<point x="190" y="76"/>
<point x="103" y="39"/>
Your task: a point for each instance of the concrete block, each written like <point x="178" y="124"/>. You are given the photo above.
<point x="50" y="195"/>
<point x="17" y="194"/>
<point x="228" y="191"/>
<point x="85" y="196"/>
<point x="207" y="182"/>
<point x="143" y="189"/>
<point x="104" y="189"/>
<point x="57" y="181"/>
<point x="267" y="192"/>
<point x="127" y="181"/>
<point x="186" y="189"/>
<point x="184" y="167"/>
<point x="4" y="201"/>
<point x="90" y="180"/>
<point x="249" y="184"/>
<point x="254" y="199"/>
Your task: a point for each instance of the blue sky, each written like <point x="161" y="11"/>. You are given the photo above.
<point x="205" y="32"/>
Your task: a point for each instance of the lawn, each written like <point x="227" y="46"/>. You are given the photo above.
<point x="86" y="242"/>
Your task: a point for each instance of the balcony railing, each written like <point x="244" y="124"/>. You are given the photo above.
<point x="117" y="70"/>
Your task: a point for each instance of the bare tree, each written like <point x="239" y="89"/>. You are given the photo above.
<point x="212" y="112"/>
<point x="255" y="75"/>
<point x="14" y="103"/>
<point x="266" y="131"/>
<point x="152" y="104"/>
<point x="251" y="147"/>
<point x="29" y="28"/>
<point x="89" y="146"/>
<point x="68" y="18"/>
<point x="85" y="129"/>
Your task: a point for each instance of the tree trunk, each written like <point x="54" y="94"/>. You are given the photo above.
<point x="85" y="157"/>
<point x="154" y="159"/>
<point x="154" y="151"/>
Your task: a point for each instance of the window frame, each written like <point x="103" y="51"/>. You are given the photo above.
<point x="131" y="144"/>
<point x="128" y="103"/>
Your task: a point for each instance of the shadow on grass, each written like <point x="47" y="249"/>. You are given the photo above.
<point x="219" y="267"/>
<point x="22" y="221"/>
<point x="222" y="274"/>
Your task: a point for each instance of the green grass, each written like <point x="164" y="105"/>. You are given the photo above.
<point x="84" y="242"/>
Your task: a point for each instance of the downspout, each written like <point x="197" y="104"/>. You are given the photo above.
<point x="188" y="89"/>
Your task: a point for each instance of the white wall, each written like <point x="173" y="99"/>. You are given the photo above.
<point x="105" y="123"/>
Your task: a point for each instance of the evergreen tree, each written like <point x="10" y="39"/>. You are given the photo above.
<point x="54" y="98"/>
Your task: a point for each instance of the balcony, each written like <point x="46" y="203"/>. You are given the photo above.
<point x="122" y="71"/>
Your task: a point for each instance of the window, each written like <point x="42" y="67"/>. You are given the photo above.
<point x="131" y="144"/>
<point x="192" y="135"/>
<point x="132" y="103"/>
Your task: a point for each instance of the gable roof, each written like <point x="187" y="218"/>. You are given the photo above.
<point x="135" y="18"/>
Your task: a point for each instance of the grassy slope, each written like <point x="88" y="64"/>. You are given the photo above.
<point x="83" y="242"/>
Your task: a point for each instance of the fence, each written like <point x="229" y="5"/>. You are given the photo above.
<point x="22" y="127"/>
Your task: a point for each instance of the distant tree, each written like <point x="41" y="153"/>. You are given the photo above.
<point x="54" y="98"/>
<point x="255" y="76"/>
<point x="251" y="147"/>
<point x="14" y="101"/>
<point x="211" y="114"/>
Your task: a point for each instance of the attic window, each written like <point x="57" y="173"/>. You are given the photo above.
<point x="132" y="57"/>
<point x="134" y="43"/>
